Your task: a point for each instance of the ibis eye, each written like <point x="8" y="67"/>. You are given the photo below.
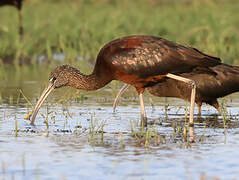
<point x="52" y="79"/>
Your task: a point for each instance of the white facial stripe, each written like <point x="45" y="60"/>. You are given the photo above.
<point x="51" y="80"/>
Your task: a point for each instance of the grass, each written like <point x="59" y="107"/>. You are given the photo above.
<point x="96" y="129"/>
<point x="80" y="28"/>
<point x="146" y="137"/>
<point x="16" y="127"/>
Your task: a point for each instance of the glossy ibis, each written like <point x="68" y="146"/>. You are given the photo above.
<point x="219" y="81"/>
<point x="18" y="5"/>
<point x="139" y="60"/>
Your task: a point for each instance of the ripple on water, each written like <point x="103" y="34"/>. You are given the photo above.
<point x="69" y="149"/>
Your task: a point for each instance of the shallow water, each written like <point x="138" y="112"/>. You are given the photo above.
<point x="68" y="149"/>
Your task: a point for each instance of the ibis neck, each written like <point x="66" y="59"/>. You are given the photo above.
<point x="88" y="82"/>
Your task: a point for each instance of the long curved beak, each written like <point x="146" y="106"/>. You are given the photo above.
<point x="44" y="95"/>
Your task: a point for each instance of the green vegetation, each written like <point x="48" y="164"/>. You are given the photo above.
<point x="79" y="28"/>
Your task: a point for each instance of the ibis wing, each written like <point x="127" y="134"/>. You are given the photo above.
<point x="148" y="56"/>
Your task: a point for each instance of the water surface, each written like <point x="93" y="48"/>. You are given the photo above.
<point x="67" y="148"/>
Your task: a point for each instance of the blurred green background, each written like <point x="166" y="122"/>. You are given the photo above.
<point x="79" y="28"/>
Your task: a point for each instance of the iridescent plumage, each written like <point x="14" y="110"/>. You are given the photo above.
<point x="140" y="60"/>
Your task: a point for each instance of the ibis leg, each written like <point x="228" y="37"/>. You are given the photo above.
<point x="122" y="90"/>
<point x="216" y="105"/>
<point x="193" y="93"/>
<point x="219" y="110"/>
<point x="143" y="112"/>
<point x="199" y="109"/>
<point x="191" y="134"/>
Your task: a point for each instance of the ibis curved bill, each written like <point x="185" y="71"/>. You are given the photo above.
<point x="44" y="95"/>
